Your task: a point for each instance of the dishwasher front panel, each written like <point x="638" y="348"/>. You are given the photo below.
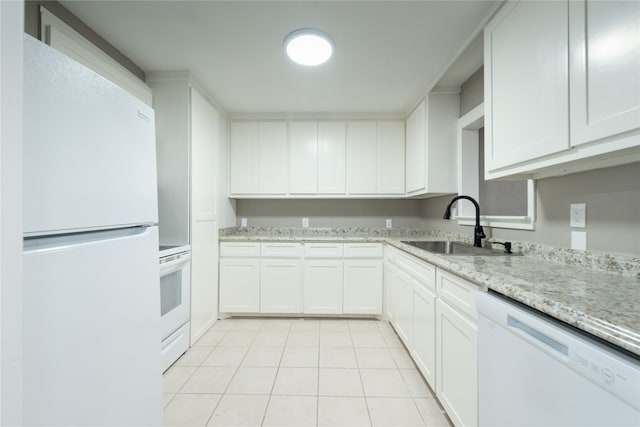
<point x="534" y="372"/>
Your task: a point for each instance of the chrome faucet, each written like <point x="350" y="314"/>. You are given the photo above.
<point x="478" y="232"/>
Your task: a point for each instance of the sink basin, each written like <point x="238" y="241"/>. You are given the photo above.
<point x="454" y="248"/>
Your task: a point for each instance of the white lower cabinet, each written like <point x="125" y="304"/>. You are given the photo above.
<point x="293" y="277"/>
<point x="388" y="272"/>
<point x="401" y="306"/>
<point x="423" y="350"/>
<point x="435" y="316"/>
<point x="457" y="349"/>
<point x="413" y="302"/>
<point x="240" y="285"/>
<point x="362" y="291"/>
<point x="457" y="371"/>
<point x="323" y="286"/>
<point x="280" y="286"/>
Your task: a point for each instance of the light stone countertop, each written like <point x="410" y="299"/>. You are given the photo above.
<point x="597" y="293"/>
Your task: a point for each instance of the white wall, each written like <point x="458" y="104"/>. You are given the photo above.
<point x="612" y="196"/>
<point x="11" y="33"/>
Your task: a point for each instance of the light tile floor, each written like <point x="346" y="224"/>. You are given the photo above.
<point x="298" y="372"/>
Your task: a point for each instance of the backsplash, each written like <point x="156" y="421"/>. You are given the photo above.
<point x="626" y="266"/>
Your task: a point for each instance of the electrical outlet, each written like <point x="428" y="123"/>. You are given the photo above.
<point x="578" y="215"/>
<point x="389" y="223"/>
<point x="305" y="222"/>
<point x="243" y="222"/>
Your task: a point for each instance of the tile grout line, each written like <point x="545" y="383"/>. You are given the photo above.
<point x="266" y="408"/>
<point x="230" y="381"/>
<point x="197" y="367"/>
<point x="364" y="394"/>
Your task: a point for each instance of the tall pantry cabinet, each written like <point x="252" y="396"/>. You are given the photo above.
<point x="187" y="132"/>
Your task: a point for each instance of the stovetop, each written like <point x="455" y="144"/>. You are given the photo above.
<point x="168" y="250"/>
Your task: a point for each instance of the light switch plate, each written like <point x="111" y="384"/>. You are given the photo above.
<point x="578" y="215"/>
<point x="579" y="240"/>
<point x="243" y="222"/>
<point x="389" y="223"/>
<point x="305" y="222"/>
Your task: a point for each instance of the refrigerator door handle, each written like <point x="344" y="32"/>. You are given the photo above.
<point x="64" y="241"/>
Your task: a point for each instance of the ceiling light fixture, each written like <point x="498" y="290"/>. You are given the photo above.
<point x="308" y="47"/>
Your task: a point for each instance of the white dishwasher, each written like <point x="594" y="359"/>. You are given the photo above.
<point x="534" y="371"/>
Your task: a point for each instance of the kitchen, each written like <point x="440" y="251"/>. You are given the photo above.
<point x="611" y="194"/>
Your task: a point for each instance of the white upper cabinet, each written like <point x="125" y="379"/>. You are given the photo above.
<point x="391" y="143"/>
<point x="317" y="158"/>
<point x="526" y="67"/>
<point x="331" y="158"/>
<point x="362" y="157"/>
<point x="303" y="159"/>
<point x="604" y="71"/>
<point x="244" y="158"/>
<point x="273" y="171"/>
<point x="416" y="137"/>
<point x="431" y="146"/>
<point x="259" y="158"/>
<point x="375" y="157"/>
<point x="562" y="87"/>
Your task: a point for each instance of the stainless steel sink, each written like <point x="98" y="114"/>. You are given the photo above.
<point x="454" y="248"/>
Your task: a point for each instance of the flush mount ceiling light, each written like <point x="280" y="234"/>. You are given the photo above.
<point x="308" y="47"/>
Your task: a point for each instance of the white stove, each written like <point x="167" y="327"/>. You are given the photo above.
<point x="175" y="295"/>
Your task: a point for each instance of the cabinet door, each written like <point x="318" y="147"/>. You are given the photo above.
<point x="362" y="287"/>
<point x="273" y="165"/>
<point x="323" y="286"/>
<point x="604" y="69"/>
<point x="423" y="347"/>
<point x="415" y="157"/>
<point x="457" y="365"/>
<point x="390" y="157"/>
<point x="362" y="160"/>
<point x="303" y="159"/>
<point x="204" y="277"/>
<point x="331" y="158"/>
<point x="388" y="276"/>
<point x="239" y="285"/>
<point x="243" y="167"/>
<point x="401" y="295"/>
<point x="526" y="82"/>
<point x="280" y="286"/>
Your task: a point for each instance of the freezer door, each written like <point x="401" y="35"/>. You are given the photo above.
<point x="89" y="148"/>
<point x="91" y="321"/>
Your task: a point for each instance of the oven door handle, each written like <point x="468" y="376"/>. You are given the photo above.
<point x="173" y="265"/>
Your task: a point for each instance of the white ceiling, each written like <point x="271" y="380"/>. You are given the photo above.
<point x="388" y="54"/>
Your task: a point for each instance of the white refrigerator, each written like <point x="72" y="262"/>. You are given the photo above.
<point x="91" y="293"/>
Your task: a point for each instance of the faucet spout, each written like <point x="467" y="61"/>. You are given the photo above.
<point x="478" y="232"/>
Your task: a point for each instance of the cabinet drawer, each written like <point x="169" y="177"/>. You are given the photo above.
<point x="239" y="249"/>
<point x="458" y="293"/>
<point x="363" y="250"/>
<point x="423" y="272"/>
<point x="281" y="250"/>
<point x="323" y="250"/>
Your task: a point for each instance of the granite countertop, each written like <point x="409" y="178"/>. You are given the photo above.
<point x="597" y="293"/>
